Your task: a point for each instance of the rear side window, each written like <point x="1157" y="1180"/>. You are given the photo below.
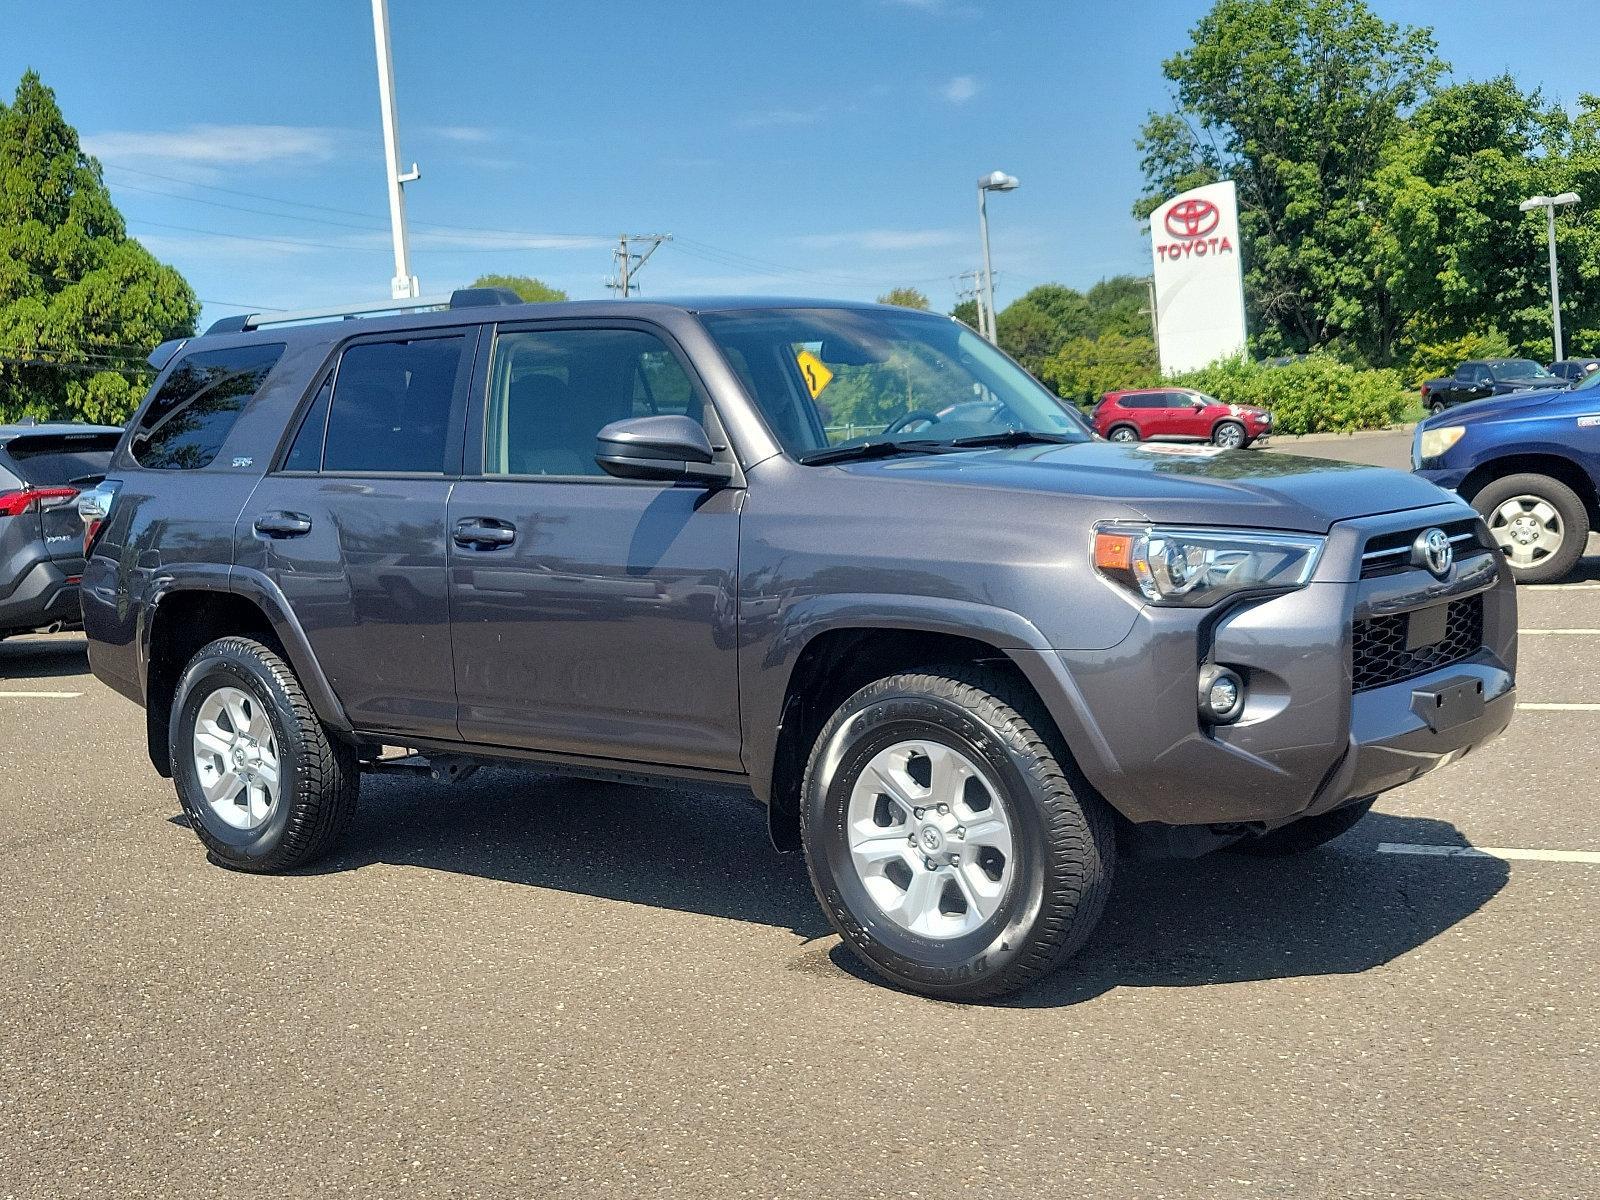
<point x="185" y="425"/>
<point x="391" y="406"/>
<point x="1157" y="401"/>
<point x="47" y="460"/>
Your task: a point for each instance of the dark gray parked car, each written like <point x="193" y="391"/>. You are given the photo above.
<point x="966" y="658"/>
<point x="42" y="468"/>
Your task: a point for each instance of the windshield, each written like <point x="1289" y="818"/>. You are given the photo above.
<point x="1520" y="368"/>
<point x="827" y="378"/>
<point x="1589" y="382"/>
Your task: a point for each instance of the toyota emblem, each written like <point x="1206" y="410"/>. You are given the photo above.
<point x="1192" y="218"/>
<point x="1433" y="550"/>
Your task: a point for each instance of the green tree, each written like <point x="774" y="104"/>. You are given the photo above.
<point x="1296" y="101"/>
<point x="1083" y="368"/>
<point x="534" y="291"/>
<point x="905" y="297"/>
<point x="80" y="302"/>
<point x="1036" y="324"/>
<point x="967" y="313"/>
<point x="1456" y="254"/>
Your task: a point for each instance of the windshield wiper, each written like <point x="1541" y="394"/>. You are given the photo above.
<point x="1016" y="437"/>
<point x="866" y="450"/>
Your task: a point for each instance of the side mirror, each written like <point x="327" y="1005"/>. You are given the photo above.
<point x="667" y="449"/>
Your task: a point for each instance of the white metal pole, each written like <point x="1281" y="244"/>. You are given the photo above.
<point x="1555" y="284"/>
<point x="404" y="285"/>
<point x="987" y="308"/>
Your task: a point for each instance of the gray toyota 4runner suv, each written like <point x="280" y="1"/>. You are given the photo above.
<point x="849" y="558"/>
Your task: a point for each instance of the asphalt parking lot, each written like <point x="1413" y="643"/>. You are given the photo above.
<point x="519" y="986"/>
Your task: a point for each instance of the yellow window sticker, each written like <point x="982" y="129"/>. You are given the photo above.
<point x="817" y="374"/>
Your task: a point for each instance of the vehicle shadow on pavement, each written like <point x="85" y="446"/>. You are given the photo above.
<point x="668" y="848"/>
<point x="44" y="657"/>
<point x="1224" y="918"/>
<point x="1229" y="918"/>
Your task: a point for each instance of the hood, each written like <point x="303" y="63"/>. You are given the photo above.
<point x="1495" y="408"/>
<point x="1176" y="484"/>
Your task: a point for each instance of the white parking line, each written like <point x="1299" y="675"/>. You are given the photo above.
<point x="1558" y="708"/>
<point x="39" y="695"/>
<point x="1572" y="632"/>
<point x="1558" y="587"/>
<point x="1575" y="856"/>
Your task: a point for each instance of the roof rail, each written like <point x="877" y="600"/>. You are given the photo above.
<point x="460" y="298"/>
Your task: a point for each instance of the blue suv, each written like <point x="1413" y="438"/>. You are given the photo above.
<point x="1530" y="464"/>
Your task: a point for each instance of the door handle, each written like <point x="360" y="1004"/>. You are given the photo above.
<point x="283" y="524"/>
<point x="484" y="532"/>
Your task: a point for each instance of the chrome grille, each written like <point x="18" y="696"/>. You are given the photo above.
<point x="1386" y="553"/>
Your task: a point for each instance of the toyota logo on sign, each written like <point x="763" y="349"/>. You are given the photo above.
<point x="1192" y="218"/>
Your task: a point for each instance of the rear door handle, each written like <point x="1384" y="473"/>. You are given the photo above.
<point x="283" y="524"/>
<point x="484" y="532"/>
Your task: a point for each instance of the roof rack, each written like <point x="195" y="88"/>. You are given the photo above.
<point x="460" y="298"/>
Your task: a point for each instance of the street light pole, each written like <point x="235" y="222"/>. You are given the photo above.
<point x="1549" y="203"/>
<point x="404" y="285"/>
<point x="995" y="181"/>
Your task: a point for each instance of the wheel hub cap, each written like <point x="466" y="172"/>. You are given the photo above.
<point x="930" y="838"/>
<point x="1527" y="528"/>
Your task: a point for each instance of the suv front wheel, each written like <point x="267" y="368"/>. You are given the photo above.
<point x="944" y="839"/>
<point x="263" y="785"/>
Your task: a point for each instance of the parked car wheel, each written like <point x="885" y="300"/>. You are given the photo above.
<point x="1307" y="833"/>
<point x="263" y="785"/>
<point x="1435" y="407"/>
<point x="1539" y="523"/>
<point x="1229" y="435"/>
<point x="945" y="841"/>
<point x="1124" y="433"/>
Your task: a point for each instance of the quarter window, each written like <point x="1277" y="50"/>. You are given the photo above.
<point x="552" y="391"/>
<point x="185" y="425"/>
<point x="391" y="406"/>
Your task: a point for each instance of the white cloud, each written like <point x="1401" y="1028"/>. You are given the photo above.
<point x="473" y="135"/>
<point x="210" y="146"/>
<point x="781" y="116"/>
<point x="961" y="89"/>
<point x="881" y="239"/>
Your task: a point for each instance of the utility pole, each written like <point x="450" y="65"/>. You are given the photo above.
<point x="628" y="262"/>
<point x="404" y="285"/>
<point x="973" y="293"/>
<point x="1155" y="321"/>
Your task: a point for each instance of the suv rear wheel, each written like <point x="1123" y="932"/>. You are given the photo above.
<point x="945" y="842"/>
<point x="263" y="785"/>
<point x="1540" y="524"/>
<point x="1123" y="433"/>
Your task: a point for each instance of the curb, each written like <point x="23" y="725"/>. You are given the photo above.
<point x="1297" y="438"/>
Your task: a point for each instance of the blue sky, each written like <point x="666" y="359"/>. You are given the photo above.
<point x="799" y="148"/>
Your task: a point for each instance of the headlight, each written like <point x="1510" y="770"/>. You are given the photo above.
<point x="1436" y="441"/>
<point x="1195" y="568"/>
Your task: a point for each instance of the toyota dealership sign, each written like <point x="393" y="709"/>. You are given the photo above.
<point x="1199" y="285"/>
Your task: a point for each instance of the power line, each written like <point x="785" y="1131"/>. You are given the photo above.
<point x="628" y="262"/>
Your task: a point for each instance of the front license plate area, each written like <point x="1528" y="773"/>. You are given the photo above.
<point x="1427" y="626"/>
<point x="1448" y="704"/>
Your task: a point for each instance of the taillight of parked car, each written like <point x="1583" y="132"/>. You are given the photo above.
<point x="31" y="500"/>
<point x="94" y="506"/>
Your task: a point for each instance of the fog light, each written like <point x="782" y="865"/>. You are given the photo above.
<point x="1221" y="694"/>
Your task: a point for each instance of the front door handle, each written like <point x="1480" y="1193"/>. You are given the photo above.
<point x="486" y="533"/>
<point x="283" y="524"/>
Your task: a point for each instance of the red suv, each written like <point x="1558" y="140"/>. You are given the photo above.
<point x="1178" y="414"/>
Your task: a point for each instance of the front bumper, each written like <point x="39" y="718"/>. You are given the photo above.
<point x="1450" y="479"/>
<point x="1306" y="742"/>
<point x="45" y="595"/>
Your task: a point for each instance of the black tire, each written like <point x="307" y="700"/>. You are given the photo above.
<point x="1307" y="833"/>
<point x="1436" y="407"/>
<point x="1574" y="522"/>
<point x="1062" y="838"/>
<point x="319" y="776"/>
<point x="1224" y="431"/>
<point x="1122" y="433"/>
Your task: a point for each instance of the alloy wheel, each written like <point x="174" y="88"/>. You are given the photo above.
<point x="1527" y="528"/>
<point x="930" y="838"/>
<point x="236" y="758"/>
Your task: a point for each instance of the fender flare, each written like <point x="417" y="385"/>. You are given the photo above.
<point x="765" y="684"/>
<point x="259" y="589"/>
